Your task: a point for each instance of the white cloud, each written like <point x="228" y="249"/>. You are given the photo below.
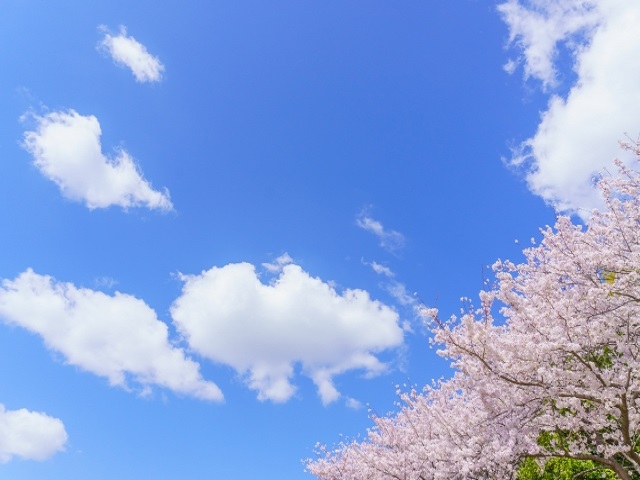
<point x="353" y="403"/>
<point x="278" y="263"/>
<point x="390" y="240"/>
<point x="29" y="435"/>
<point x="398" y="291"/>
<point x="118" y="337"/>
<point x="105" y="282"/>
<point x="539" y="26"/>
<point x="66" y="149"/>
<point x="264" y="331"/>
<point x="578" y="135"/>
<point x="127" y="51"/>
<point x="381" y="269"/>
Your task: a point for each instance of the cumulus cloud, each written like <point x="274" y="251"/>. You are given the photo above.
<point x="66" y="149"/>
<point x="115" y="336"/>
<point x="29" y="435"/>
<point x="390" y="240"/>
<point x="578" y="134"/>
<point x="127" y="51"/>
<point x="265" y="331"/>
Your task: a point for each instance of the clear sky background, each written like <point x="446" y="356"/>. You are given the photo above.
<point x="215" y="214"/>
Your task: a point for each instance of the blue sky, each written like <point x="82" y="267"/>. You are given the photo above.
<point x="215" y="215"/>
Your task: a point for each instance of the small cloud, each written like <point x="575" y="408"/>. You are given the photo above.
<point x="353" y="403"/>
<point x="510" y="66"/>
<point x="277" y="265"/>
<point x="264" y="330"/>
<point x="407" y="326"/>
<point x="396" y="289"/>
<point x="118" y="336"/>
<point x="390" y="240"/>
<point x="105" y="282"/>
<point x="381" y="269"/>
<point x="399" y="291"/>
<point x="29" y="435"/>
<point x="66" y="149"/>
<point x="127" y="51"/>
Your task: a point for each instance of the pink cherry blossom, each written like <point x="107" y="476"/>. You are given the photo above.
<point x="547" y="366"/>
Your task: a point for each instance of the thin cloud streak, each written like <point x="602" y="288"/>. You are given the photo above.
<point x="390" y="240"/>
<point x="381" y="269"/>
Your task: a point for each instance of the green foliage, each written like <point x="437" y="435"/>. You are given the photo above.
<point x="559" y="468"/>
<point x="603" y="357"/>
<point x="563" y="469"/>
<point x="552" y="441"/>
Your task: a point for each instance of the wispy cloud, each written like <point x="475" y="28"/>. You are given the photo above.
<point x="381" y="269"/>
<point x="393" y="287"/>
<point x="263" y="330"/>
<point x="118" y="336"/>
<point x="396" y="289"/>
<point x="66" y="149"/>
<point x="127" y="51"/>
<point x="577" y="135"/>
<point x="399" y="291"/>
<point x="278" y="264"/>
<point x="539" y="26"/>
<point x="390" y="240"/>
<point x="29" y="435"/>
<point x="105" y="282"/>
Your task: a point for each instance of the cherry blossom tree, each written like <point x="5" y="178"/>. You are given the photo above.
<point x="547" y="369"/>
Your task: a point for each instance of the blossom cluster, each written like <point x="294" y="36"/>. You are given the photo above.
<point x="547" y="367"/>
